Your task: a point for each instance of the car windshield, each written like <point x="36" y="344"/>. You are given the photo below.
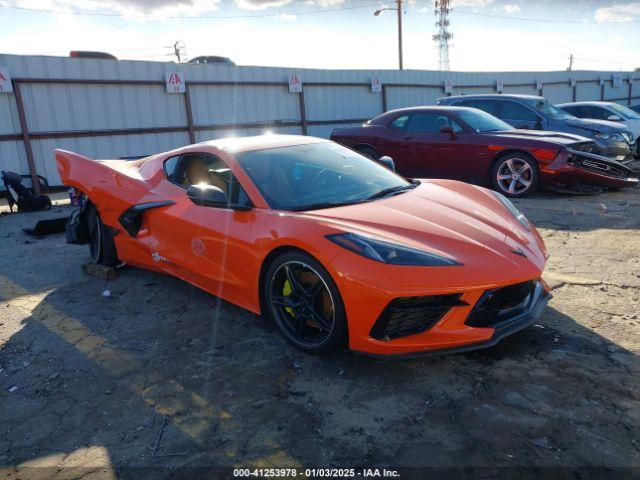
<point x="624" y="112"/>
<point x="481" y="121"/>
<point x="546" y="108"/>
<point x="318" y="175"/>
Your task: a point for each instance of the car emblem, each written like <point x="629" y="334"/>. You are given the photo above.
<point x="519" y="252"/>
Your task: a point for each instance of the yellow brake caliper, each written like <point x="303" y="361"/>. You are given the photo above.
<point x="286" y="291"/>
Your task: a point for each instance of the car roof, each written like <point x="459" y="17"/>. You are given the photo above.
<point x="385" y="117"/>
<point x="592" y="102"/>
<point x="261" y="142"/>
<point x="496" y="96"/>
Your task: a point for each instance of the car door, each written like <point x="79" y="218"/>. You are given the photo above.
<point x="202" y="244"/>
<point x="391" y="142"/>
<point x="435" y="154"/>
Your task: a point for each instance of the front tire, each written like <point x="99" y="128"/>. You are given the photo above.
<point x="101" y="245"/>
<point x="302" y="299"/>
<point x="515" y="175"/>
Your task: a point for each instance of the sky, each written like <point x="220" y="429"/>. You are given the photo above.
<point x="489" y="35"/>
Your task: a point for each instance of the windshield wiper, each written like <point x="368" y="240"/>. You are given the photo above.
<point x="390" y="191"/>
<point x="321" y="205"/>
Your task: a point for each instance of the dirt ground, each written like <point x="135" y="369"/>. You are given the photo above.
<point x="161" y="376"/>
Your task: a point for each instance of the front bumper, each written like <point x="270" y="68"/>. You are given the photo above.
<point x="505" y="328"/>
<point x="571" y="168"/>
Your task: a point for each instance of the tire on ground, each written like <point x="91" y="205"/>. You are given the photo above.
<point x="102" y="246"/>
<point x="338" y="338"/>
<point x="518" y="158"/>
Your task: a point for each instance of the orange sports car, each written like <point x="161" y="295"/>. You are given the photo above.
<point x="333" y="247"/>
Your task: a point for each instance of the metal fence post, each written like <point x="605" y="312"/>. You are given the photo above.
<point x="384" y="98"/>
<point x="630" y="91"/>
<point x="303" y="112"/>
<point x="24" y="127"/>
<point x="187" y="104"/>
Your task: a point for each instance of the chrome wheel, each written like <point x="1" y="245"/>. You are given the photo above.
<point x="515" y="176"/>
<point x="302" y="304"/>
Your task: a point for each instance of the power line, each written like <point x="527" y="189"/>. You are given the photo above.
<point x="187" y="17"/>
<point x="529" y="19"/>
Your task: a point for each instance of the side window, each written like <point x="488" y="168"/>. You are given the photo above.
<point x="515" y="111"/>
<point x="488" y="106"/>
<point x="430" y="123"/>
<point x="170" y="167"/>
<point x="575" y="111"/>
<point x="599" y="113"/>
<point x="400" y="122"/>
<point x="198" y="168"/>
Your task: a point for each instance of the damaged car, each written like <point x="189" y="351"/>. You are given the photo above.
<point x="337" y="250"/>
<point x="470" y="145"/>
<point x="530" y="112"/>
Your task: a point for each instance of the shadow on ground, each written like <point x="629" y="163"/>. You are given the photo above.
<point x="165" y="375"/>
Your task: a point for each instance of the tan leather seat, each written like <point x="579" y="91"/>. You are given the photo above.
<point x="197" y="172"/>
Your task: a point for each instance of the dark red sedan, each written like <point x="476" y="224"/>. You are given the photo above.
<point x="473" y="146"/>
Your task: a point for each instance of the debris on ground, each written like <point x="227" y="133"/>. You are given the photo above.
<point x="102" y="272"/>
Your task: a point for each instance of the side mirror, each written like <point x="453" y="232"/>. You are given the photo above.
<point x="614" y="118"/>
<point x="448" y="129"/>
<point x="387" y="162"/>
<point x="208" y="196"/>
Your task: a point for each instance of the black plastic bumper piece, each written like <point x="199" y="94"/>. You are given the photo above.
<point x="131" y="219"/>
<point x="501" y="331"/>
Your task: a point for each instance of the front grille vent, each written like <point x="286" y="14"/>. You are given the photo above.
<point x="410" y="315"/>
<point x="496" y="306"/>
<point x="597" y="166"/>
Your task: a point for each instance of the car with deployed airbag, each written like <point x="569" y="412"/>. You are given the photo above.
<point x="531" y="112"/>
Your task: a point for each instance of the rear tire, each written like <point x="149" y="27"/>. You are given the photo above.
<point x="302" y="299"/>
<point x="101" y="245"/>
<point x="515" y="175"/>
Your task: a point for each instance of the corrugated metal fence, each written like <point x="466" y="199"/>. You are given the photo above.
<point x="107" y="109"/>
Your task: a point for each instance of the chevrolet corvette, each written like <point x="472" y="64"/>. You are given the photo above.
<point x="467" y="144"/>
<point x="334" y="248"/>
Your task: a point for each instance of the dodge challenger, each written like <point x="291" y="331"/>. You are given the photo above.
<point x="468" y="144"/>
<point x="334" y="248"/>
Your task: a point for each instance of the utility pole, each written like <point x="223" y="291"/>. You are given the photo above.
<point x="570" y="63"/>
<point x="399" y="11"/>
<point x="443" y="36"/>
<point x="399" y="5"/>
<point x="176" y="50"/>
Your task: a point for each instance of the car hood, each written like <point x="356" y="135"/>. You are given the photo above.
<point x="603" y="126"/>
<point x="450" y="218"/>
<point x="540" y="135"/>
<point x="634" y="126"/>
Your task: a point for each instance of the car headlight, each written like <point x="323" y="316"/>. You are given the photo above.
<point x="619" y="137"/>
<point x="391" y="253"/>
<point x="517" y="214"/>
